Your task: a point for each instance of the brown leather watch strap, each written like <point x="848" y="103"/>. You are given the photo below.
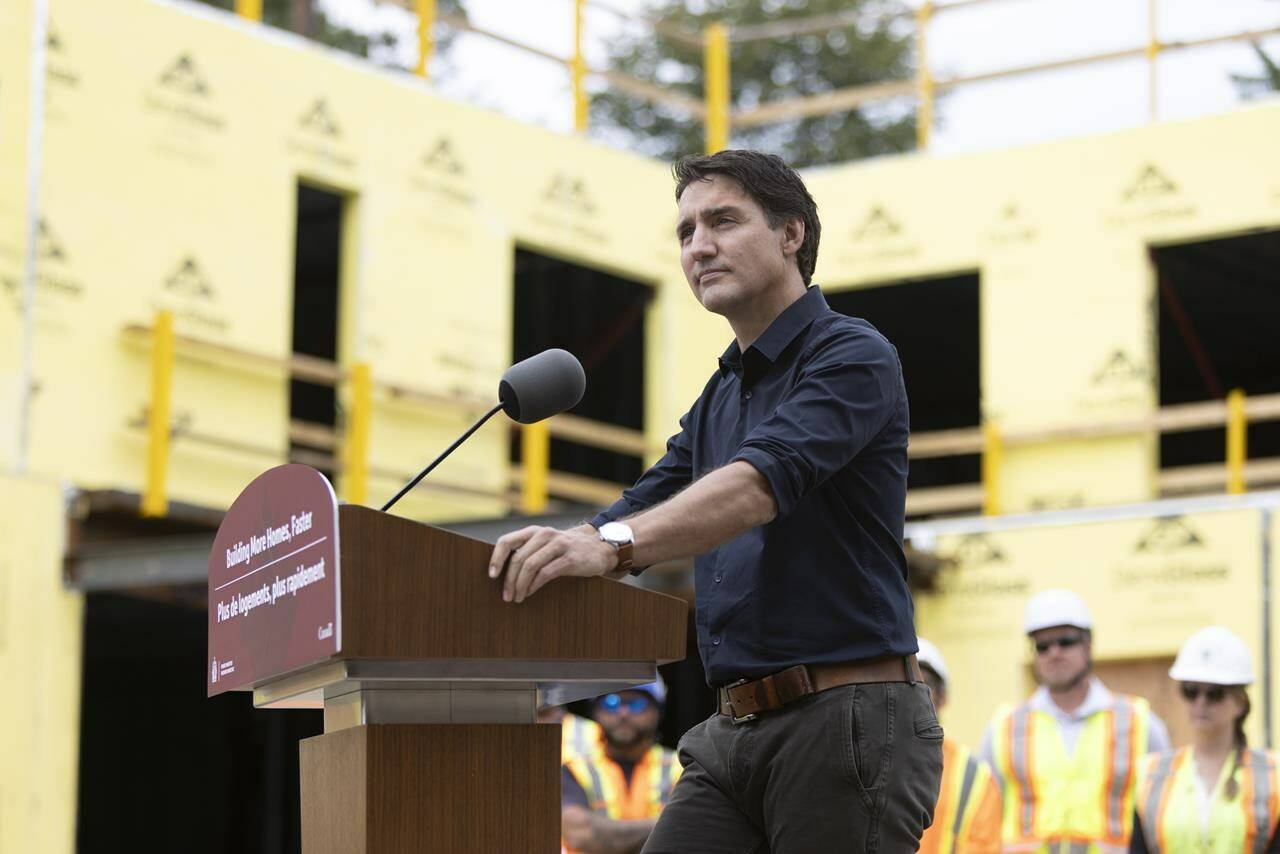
<point x="624" y="557"/>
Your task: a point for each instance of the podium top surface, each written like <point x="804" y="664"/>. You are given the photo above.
<point x="414" y="592"/>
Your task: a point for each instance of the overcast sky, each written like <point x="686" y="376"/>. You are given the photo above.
<point x="978" y="39"/>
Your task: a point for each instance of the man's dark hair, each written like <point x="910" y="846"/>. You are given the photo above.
<point x="766" y="178"/>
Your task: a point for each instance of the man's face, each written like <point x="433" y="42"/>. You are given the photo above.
<point x="729" y="253"/>
<point x="629" y="722"/>
<point x="1063" y="656"/>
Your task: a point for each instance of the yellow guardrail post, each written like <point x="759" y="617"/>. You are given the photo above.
<point x="251" y="9"/>
<point x="924" y="78"/>
<point x="715" y="70"/>
<point x="535" y="455"/>
<point x="426" y="11"/>
<point x="1237" y="441"/>
<point x="581" y="101"/>
<point x="355" y="455"/>
<point x="155" y="496"/>
<point x="992" y="459"/>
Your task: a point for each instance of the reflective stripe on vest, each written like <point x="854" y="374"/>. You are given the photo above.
<point x="1077" y="801"/>
<point x="1171" y="817"/>
<point x="966" y="816"/>
<point x="966" y="790"/>
<point x="1020" y="767"/>
<point x="665" y="780"/>
<point x="1123" y="756"/>
<point x="1264" y="809"/>
<point x="607" y="790"/>
<point x="1153" y="800"/>
<point x="580" y="737"/>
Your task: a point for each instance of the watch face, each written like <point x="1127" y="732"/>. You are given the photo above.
<point x="616" y="532"/>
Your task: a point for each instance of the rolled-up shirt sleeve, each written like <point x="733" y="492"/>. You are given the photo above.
<point x="663" y="479"/>
<point x="844" y="397"/>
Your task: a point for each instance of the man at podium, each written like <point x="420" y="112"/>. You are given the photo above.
<point x="787" y="481"/>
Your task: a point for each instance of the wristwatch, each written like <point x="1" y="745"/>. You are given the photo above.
<point x="618" y="535"/>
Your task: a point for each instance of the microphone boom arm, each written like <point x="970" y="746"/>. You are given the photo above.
<point x="449" y="450"/>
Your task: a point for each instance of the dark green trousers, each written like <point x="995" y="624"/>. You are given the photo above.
<point x="855" y="768"/>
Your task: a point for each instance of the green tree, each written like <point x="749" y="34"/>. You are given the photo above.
<point x="308" y="18"/>
<point x="1250" y="86"/>
<point x="858" y="49"/>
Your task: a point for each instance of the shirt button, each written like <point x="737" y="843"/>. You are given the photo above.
<point x="715" y="641"/>
<point x="747" y="395"/>
<point x="718" y="577"/>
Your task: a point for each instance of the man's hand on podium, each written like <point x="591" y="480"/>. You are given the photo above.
<point x="533" y="556"/>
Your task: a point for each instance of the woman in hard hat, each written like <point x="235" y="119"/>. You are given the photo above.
<point x="1217" y="795"/>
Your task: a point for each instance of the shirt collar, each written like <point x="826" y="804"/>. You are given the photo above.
<point x="781" y="332"/>
<point x="1099" y="699"/>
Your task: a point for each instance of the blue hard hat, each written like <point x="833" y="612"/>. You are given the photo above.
<point x="657" y="691"/>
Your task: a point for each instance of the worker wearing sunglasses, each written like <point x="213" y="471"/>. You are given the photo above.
<point x="612" y="797"/>
<point x="1067" y="758"/>
<point x="1216" y="794"/>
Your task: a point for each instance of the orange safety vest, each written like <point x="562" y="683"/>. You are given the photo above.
<point x="579" y="736"/>
<point x="607" y="791"/>
<point x="1081" y="802"/>
<point x="1170" y="817"/>
<point x="966" y="819"/>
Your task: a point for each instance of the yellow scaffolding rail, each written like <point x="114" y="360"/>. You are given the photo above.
<point x="716" y="74"/>
<point x="426" y="11"/>
<point x="1237" y="441"/>
<point x="535" y="482"/>
<point x="250" y="9"/>
<point x="355" y="484"/>
<point x="155" y="495"/>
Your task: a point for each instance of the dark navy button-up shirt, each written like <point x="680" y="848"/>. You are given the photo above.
<point x="818" y="406"/>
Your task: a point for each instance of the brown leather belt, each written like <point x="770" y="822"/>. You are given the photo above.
<point x="746" y="699"/>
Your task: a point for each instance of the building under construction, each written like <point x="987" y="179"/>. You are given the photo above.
<point x="216" y="276"/>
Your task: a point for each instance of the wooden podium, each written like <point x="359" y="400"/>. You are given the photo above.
<point x="431" y="683"/>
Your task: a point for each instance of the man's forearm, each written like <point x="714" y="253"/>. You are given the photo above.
<point x="714" y="509"/>
<point x="727" y="502"/>
<point x="616" y="836"/>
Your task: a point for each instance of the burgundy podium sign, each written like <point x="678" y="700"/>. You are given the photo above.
<point x="273" y="580"/>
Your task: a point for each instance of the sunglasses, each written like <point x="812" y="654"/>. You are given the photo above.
<point x="1064" y="642"/>
<point x="614" y="702"/>
<point x="1212" y="693"/>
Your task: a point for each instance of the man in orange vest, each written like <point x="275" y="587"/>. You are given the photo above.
<point x="611" y="798"/>
<point x="577" y="734"/>
<point x="966" y="819"/>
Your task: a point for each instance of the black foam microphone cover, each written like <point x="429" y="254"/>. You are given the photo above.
<point x="542" y="386"/>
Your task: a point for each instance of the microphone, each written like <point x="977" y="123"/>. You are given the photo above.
<point x="542" y="386"/>
<point x="537" y="388"/>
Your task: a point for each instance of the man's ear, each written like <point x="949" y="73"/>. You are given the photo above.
<point x="792" y="236"/>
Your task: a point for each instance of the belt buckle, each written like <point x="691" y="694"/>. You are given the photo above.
<point x="734" y="719"/>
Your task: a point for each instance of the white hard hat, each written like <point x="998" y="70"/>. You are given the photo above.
<point x="1056" y="607"/>
<point x="1214" y="655"/>
<point x="930" y="657"/>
